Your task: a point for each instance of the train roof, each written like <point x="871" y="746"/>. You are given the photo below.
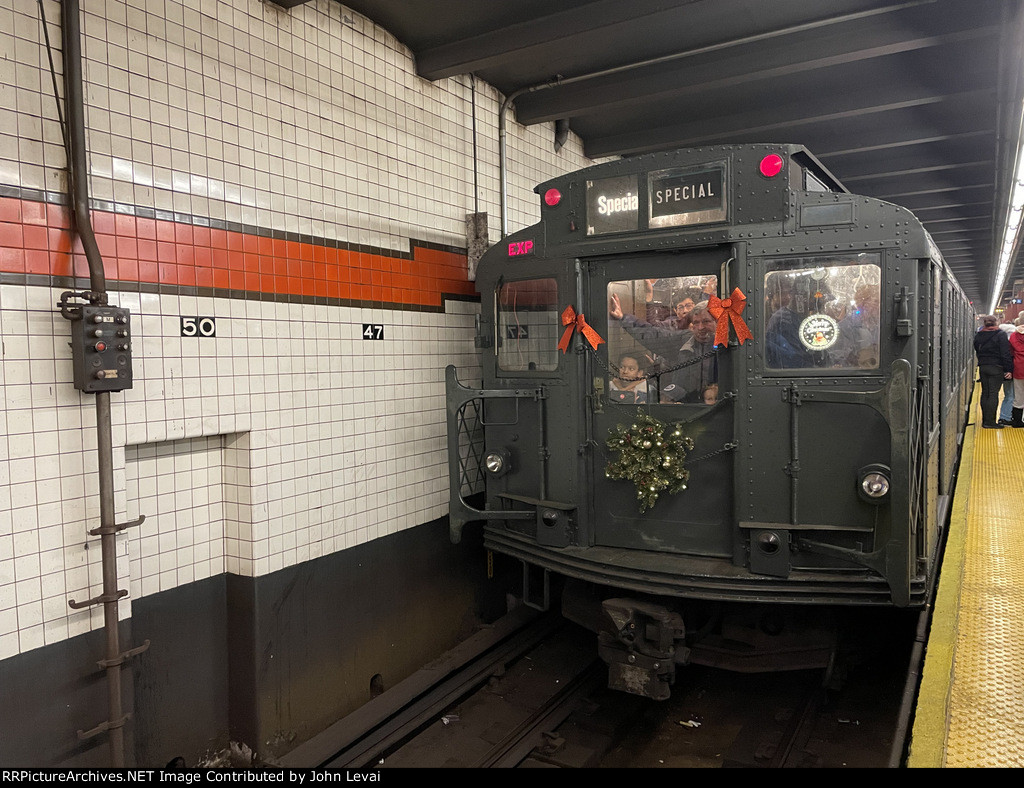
<point x="683" y="156"/>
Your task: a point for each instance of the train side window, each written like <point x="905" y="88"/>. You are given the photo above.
<point x="823" y="313"/>
<point x="656" y="327"/>
<point x="528" y="326"/>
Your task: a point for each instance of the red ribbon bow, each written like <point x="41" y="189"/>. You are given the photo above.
<point x="726" y="309"/>
<point x="574" y="321"/>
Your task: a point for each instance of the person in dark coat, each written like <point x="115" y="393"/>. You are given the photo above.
<point x="995" y="364"/>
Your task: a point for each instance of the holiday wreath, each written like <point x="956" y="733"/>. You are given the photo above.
<point x="651" y="456"/>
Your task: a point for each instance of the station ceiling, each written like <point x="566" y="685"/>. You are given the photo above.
<point x="916" y="102"/>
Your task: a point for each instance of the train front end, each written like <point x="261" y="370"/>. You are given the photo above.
<point x="710" y="376"/>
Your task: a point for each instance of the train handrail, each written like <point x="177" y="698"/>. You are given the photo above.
<point x="457" y="397"/>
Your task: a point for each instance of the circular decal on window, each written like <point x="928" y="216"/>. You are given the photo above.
<point x="818" y="332"/>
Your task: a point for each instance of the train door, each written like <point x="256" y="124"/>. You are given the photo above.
<point x="817" y="424"/>
<point x="515" y="436"/>
<point x="659" y="363"/>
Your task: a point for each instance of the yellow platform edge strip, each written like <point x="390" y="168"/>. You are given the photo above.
<point x="931" y="721"/>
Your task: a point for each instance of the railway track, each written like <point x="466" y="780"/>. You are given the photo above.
<point x="528" y="691"/>
<point x="488" y="703"/>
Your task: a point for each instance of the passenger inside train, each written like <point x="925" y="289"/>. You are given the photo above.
<point x="682" y="303"/>
<point x="630" y="387"/>
<point x="823" y="314"/>
<point x="687" y="355"/>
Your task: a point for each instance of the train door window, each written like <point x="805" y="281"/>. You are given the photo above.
<point x="823" y="312"/>
<point x="656" y="327"/>
<point x="528" y="326"/>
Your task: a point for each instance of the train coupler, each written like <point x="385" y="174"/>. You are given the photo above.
<point x="642" y="644"/>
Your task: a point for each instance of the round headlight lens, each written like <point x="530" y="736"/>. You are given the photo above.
<point x="769" y="543"/>
<point x="494" y="462"/>
<point x="875" y="485"/>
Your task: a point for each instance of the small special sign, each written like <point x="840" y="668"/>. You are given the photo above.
<point x="818" y="332"/>
<point x="686" y="197"/>
<point x="613" y="205"/>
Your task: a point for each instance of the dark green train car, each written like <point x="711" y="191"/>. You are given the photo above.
<point x="730" y="319"/>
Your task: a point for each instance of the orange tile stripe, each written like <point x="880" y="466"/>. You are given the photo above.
<point x="35" y="238"/>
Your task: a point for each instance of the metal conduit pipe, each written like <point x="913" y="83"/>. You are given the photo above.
<point x="502" y="133"/>
<point x="79" y="192"/>
<point x="78" y="171"/>
<point x="502" y="156"/>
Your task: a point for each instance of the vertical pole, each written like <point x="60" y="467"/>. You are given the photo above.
<point x="78" y="174"/>
<point x="108" y="551"/>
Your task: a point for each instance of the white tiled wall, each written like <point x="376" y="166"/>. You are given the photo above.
<point x="182" y="485"/>
<point x="311" y="120"/>
<point x="286" y="437"/>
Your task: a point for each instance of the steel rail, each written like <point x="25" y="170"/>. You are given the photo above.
<point x="530" y="734"/>
<point x="360" y="739"/>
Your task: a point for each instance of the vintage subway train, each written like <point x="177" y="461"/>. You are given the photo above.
<point x="713" y="380"/>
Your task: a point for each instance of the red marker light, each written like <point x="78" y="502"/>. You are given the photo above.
<point x="771" y="165"/>
<point x="552" y="197"/>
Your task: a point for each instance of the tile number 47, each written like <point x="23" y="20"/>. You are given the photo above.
<point x="373" y="331"/>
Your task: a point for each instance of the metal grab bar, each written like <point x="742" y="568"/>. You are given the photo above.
<point x="457" y="397"/>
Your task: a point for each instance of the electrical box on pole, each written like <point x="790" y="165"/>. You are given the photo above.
<point x="101" y="348"/>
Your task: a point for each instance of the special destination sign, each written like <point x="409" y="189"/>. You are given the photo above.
<point x="613" y="205"/>
<point x="680" y="198"/>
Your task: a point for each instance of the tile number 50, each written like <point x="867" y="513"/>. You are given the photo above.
<point x="198" y="327"/>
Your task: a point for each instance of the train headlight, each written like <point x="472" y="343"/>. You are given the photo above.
<point x="498" y="462"/>
<point x="768" y="542"/>
<point x="873" y="483"/>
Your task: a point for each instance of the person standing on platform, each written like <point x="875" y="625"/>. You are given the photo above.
<point x="1017" y="348"/>
<point x="995" y="364"/>
<point x="1007" y="405"/>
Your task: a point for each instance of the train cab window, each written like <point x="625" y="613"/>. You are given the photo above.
<point x="813" y="184"/>
<point x="823" y="313"/>
<point x="528" y="326"/>
<point x="803" y="176"/>
<point x="661" y="339"/>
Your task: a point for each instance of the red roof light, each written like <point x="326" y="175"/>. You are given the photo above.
<point x="771" y="165"/>
<point x="552" y="197"/>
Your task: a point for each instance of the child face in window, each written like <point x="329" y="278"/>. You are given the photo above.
<point x="629" y="371"/>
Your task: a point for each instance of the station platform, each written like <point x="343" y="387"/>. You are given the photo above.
<point x="970" y="710"/>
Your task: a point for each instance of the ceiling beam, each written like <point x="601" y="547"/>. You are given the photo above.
<point x="873" y="176"/>
<point x="511" y="42"/>
<point x="752" y="125"/>
<point x="608" y="25"/>
<point x="725" y="70"/>
<point x="903" y="136"/>
<point x="897" y="196"/>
